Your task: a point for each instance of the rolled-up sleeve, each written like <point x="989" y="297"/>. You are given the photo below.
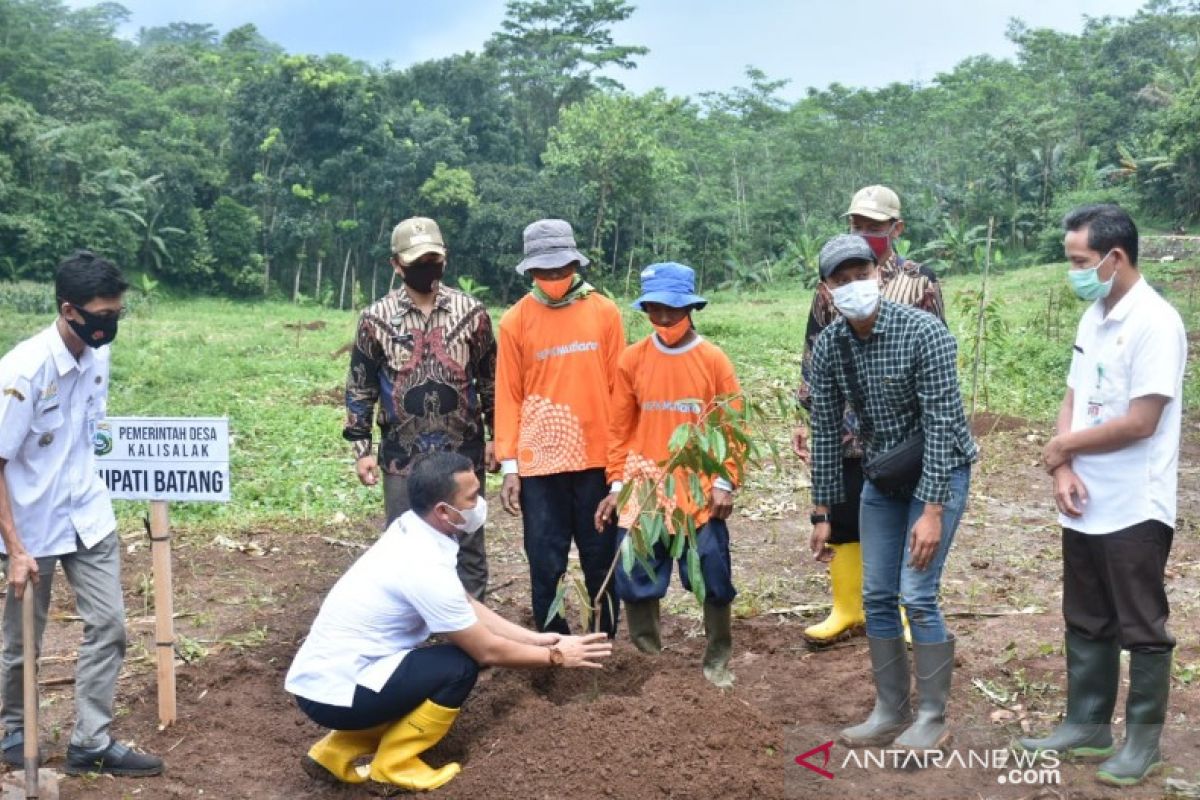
<point x="941" y="409"/>
<point x="826" y="407"/>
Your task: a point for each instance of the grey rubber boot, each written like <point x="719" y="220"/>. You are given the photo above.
<point x="1093" y="672"/>
<point x="718" y="630"/>
<point x="934" y="667"/>
<point x="1145" y="713"/>
<point x="642" y="618"/>
<point x="892" y="712"/>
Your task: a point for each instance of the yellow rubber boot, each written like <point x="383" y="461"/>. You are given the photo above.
<point x="904" y="622"/>
<point x="396" y="767"/>
<point x="331" y="760"/>
<point x="845" y="579"/>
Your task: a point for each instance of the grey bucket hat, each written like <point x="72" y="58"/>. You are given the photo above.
<point x="550" y="244"/>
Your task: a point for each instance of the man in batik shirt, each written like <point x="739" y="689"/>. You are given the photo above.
<point x="426" y="355"/>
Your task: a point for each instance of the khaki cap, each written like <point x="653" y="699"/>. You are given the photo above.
<point x="875" y="202"/>
<point x="416" y="236"/>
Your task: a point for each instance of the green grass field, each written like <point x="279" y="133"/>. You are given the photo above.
<point x="280" y="385"/>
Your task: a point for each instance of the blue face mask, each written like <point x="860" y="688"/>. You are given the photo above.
<point x="1087" y="283"/>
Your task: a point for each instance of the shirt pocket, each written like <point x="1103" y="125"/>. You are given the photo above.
<point x="899" y="391"/>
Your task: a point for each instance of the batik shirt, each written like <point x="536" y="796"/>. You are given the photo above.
<point x="901" y="281"/>
<point x="433" y="378"/>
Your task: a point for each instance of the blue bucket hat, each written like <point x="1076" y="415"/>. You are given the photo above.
<point x="671" y="285"/>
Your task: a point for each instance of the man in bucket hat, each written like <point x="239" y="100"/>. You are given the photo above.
<point x="668" y="379"/>
<point x="874" y="214"/>
<point x="559" y="347"/>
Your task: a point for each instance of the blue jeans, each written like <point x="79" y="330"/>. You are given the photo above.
<point x="712" y="543"/>
<point x="886" y="530"/>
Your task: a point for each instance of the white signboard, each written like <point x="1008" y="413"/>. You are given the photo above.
<point x="164" y="458"/>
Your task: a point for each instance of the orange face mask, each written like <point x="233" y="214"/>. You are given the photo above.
<point x="555" y="289"/>
<point x="672" y="334"/>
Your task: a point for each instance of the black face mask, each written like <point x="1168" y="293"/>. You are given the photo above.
<point x="421" y="277"/>
<point x="95" y="330"/>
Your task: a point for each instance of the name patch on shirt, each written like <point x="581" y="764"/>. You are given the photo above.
<point x="566" y="349"/>
<point x="679" y="406"/>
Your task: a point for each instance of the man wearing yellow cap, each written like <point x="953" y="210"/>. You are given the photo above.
<point x="874" y="214"/>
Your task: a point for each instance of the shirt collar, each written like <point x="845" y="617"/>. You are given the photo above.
<point x="1126" y="304"/>
<point x="64" y="362"/>
<point x="883" y="322"/>
<point x="413" y="524"/>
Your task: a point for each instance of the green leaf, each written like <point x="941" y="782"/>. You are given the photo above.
<point x="669" y="485"/>
<point x="627" y="554"/>
<point x="678" y="541"/>
<point x="557" y="605"/>
<point x="696" y="490"/>
<point x="625" y="493"/>
<point x="679" y="438"/>
<point x="694" y="574"/>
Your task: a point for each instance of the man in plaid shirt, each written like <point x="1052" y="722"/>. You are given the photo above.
<point x="874" y="214"/>
<point x="897" y="368"/>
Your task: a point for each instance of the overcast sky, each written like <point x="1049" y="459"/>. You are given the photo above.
<point x="695" y="45"/>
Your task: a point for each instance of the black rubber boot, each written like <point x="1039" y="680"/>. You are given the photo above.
<point x="1145" y="713"/>
<point x="1093" y="671"/>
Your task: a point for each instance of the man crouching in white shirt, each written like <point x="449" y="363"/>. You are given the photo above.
<point x="54" y="508"/>
<point x="362" y="670"/>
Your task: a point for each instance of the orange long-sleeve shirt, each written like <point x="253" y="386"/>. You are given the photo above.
<point x="657" y="390"/>
<point x="554" y="377"/>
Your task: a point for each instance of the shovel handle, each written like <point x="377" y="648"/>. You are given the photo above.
<point x="29" y="646"/>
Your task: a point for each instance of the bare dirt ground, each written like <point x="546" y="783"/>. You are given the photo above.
<point x="644" y="727"/>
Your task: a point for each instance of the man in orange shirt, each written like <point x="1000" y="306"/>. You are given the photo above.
<point x="668" y="379"/>
<point x="559" y="347"/>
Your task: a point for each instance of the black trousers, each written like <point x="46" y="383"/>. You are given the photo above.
<point x="442" y="673"/>
<point x="556" y="510"/>
<point x="844" y="523"/>
<point x="1113" y="585"/>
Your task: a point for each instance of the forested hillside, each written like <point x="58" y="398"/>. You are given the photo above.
<point x="214" y="162"/>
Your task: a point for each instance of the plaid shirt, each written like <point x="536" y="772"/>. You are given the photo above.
<point x="908" y="372"/>
<point x="433" y="377"/>
<point x="901" y="281"/>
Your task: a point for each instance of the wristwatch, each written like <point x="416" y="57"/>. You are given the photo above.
<point x="817" y="519"/>
<point x="557" y="657"/>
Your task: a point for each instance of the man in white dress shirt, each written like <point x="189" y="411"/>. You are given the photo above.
<point x="362" y="670"/>
<point x="55" y="509"/>
<point x="1115" y="462"/>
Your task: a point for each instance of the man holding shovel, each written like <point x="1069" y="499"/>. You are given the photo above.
<point x="55" y="509"/>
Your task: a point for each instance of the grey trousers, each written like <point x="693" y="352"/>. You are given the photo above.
<point x="95" y="577"/>
<point x="472" y="550"/>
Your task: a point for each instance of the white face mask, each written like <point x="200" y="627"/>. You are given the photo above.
<point x="857" y="300"/>
<point x="473" y="518"/>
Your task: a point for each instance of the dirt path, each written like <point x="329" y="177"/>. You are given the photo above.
<point x="643" y="728"/>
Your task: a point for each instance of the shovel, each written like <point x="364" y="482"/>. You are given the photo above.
<point x="31" y="782"/>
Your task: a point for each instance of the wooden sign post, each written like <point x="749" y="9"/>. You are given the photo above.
<point x="164" y="459"/>
<point x="164" y="610"/>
